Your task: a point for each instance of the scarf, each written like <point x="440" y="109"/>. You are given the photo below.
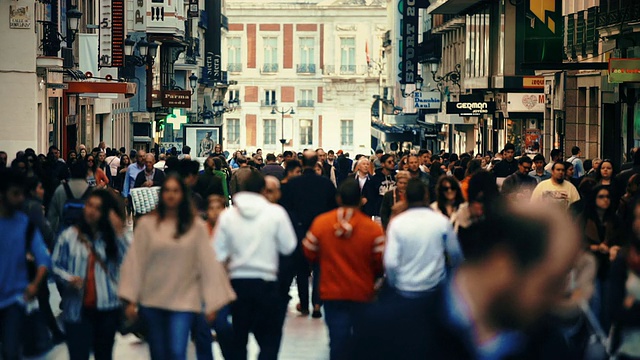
<point x="343" y="228"/>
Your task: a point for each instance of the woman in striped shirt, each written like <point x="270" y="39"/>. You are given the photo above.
<point x="87" y="260"/>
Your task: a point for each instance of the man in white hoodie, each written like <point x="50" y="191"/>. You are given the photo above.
<point x="249" y="238"/>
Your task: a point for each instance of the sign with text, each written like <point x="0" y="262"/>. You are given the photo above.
<point x="176" y="99"/>
<point x="139" y="14"/>
<point x="409" y="66"/>
<point x="212" y="42"/>
<point x="427" y="100"/>
<point x="105" y="37"/>
<point x="519" y="102"/>
<point x="533" y="82"/>
<point x="117" y="33"/>
<point x="623" y="70"/>
<point x="19" y="17"/>
<point x="471" y="108"/>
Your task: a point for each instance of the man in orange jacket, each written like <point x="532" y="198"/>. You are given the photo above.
<point x="348" y="246"/>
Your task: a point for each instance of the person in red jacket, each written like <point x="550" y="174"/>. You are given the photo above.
<point x="348" y="246"/>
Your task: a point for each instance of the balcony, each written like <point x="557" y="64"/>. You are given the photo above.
<point x="348" y="70"/>
<point x="269" y="68"/>
<point x="268" y="103"/>
<point x="234" y="68"/>
<point x="628" y="12"/>
<point x="305" y="103"/>
<point x="306" y="68"/>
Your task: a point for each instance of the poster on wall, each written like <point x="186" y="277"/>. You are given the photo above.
<point x="532" y="136"/>
<point x="19" y="17"/>
<point x="202" y="139"/>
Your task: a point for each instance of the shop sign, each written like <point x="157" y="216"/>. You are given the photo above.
<point x="624" y="70"/>
<point x="533" y="82"/>
<point x="176" y="99"/>
<point x="19" y="17"/>
<point x="478" y="108"/>
<point x="427" y="100"/>
<point x="409" y="44"/>
<point x="139" y="14"/>
<point x="522" y="102"/>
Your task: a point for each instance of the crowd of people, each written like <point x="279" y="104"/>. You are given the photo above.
<point x="405" y="255"/>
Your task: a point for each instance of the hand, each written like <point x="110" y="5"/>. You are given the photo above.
<point x="211" y="317"/>
<point x="126" y="201"/>
<point x="613" y="252"/>
<point x="603" y="248"/>
<point x="148" y="183"/>
<point x="629" y="301"/>
<point x="363" y="201"/>
<point x="131" y="312"/>
<point x="77" y="282"/>
<point x="116" y="222"/>
<point x="30" y="292"/>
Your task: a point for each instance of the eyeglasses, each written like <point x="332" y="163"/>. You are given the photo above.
<point x="527" y="168"/>
<point x="603" y="196"/>
<point x="447" y="188"/>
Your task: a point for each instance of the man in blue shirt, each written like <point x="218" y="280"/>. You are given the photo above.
<point x="132" y="173"/>
<point x="16" y="289"/>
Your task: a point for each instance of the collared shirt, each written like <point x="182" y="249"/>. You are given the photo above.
<point x="149" y="176"/>
<point x="130" y="178"/>
<point x="545" y="176"/>
<point x="361" y="180"/>
<point x="71" y="258"/>
<point x="458" y="315"/>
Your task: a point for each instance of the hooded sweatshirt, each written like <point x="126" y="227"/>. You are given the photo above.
<point x="251" y="235"/>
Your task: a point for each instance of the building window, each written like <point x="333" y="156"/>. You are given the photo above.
<point x="306" y="132"/>
<point x="269" y="130"/>
<point x="234" y="52"/>
<point x="233" y="131"/>
<point x="307" y="56"/>
<point x="270" y="54"/>
<point x="234" y="95"/>
<point x="306" y="98"/>
<point x="269" y="98"/>
<point x="347" y="55"/>
<point x="346" y="132"/>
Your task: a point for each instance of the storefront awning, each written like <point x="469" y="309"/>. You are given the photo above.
<point x="101" y="87"/>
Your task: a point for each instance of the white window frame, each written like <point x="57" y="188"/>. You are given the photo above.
<point x="346" y="133"/>
<point x="267" y="142"/>
<point x="230" y="140"/>
<point x="306" y="132"/>
<point x="351" y="65"/>
<point x="234" y="54"/>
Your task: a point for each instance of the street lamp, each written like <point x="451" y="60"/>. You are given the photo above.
<point x="452" y="76"/>
<point x="403" y="87"/>
<point x="147" y="51"/>
<point x="282" y="112"/>
<point x="193" y="82"/>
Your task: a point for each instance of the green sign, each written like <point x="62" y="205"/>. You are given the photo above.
<point x="624" y="70"/>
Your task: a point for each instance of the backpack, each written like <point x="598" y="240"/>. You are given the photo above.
<point x="72" y="209"/>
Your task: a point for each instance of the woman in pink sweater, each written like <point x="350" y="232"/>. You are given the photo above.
<point x="171" y="273"/>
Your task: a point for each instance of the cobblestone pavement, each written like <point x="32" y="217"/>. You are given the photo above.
<point x="304" y="339"/>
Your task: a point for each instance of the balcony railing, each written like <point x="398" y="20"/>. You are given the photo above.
<point x="270" y="68"/>
<point x="305" y="103"/>
<point x="234" y="67"/>
<point x="348" y="70"/>
<point x="306" y="68"/>
<point x="50" y="41"/>
<point x="268" y="103"/>
<point x="629" y="11"/>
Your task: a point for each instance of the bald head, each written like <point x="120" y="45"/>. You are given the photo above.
<point x="149" y="161"/>
<point x="140" y="157"/>
<point x="272" y="188"/>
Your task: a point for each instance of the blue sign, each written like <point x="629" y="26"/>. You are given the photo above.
<point x="427" y="100"/>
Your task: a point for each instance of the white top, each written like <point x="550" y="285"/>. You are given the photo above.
<point x="549" y="192"/>
<point x="251" y="235"/>
<point x="414" y="258"/>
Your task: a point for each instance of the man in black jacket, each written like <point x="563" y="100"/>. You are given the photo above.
<point x="508" y="165"/>
<point x="381" y="182"/>
<point x="519" y="185"/>
<point x="305" y="197"/>
<point x="496" y="303"/>
<point x="150" y="176"/>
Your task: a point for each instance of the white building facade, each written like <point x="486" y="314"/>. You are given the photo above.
<point x="321" y="59"/>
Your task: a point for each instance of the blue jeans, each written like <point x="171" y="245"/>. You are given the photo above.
<point x="95" y="332"/>
<point x="201" y="332"/>
<point x="167" y="332"/>
<point x="11" y="320"/>
<point x="341" y="318"/>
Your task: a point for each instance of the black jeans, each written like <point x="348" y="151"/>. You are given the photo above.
<point x="256" y="310"/>
<point x="96" y="331"/>
<point x="12" y="319"/>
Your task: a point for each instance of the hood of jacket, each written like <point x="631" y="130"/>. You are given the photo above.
<point x="250" y="204"/>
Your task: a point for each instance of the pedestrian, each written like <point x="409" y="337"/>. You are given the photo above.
<point x="118" y="181"/>
<point x="507" y="165"/>
<point x="367" y="192"/>
<point x="77" y="189"/>
<point x="519" y="185"/>
<point x="151" y="176"/>
<point x="130" y="176"/>
<point x="448" y="196"/>
<point x="382" y="182"/>
<point x="272" y="167"/>
<point x="239" y="175"/>
<point x="415" y="257"/>
<point x="272" y="189"/>
<point x="473" y="167"/>
<point x="394" y="199"/>
<point x="86" y="261"/>
<point x="3" y="159"/>
<point x="328" y="170"/>
<point x="577" y="163"/>
<point x="556" y="190"/>
<point x="292" y="169"/>
<point x="18" y="284"/>
<point x="344" y="165"/>
<point x="305" y="197"/>
<point x="95" y="176"/>
<point x="252" y="262"/>
<point x="209" y="183"/>
<point x="170" y="273"/>
<point x="595" y="167"/>
<point x="348" y="247"/>
<point x="539" y="173"/>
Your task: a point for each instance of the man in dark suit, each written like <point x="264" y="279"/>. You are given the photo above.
<point x="150" y="176"/>
<point x="305" y="197"/>
<point x="344" y="166"/>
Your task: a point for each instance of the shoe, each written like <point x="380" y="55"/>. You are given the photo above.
<point x="304" y="312"/>
<point x="316" y="312"/>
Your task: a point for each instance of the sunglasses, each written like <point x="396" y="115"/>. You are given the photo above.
<point x="603" y="196"/>
<point x="447" y="188"/>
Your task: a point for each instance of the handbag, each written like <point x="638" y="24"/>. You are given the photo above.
<point x="126" y="326"/>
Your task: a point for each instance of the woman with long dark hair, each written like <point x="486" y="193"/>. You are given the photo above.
<point x="95" y="176"/>
<point x="448" y="196"/>
<point x="394" y="197"/>
<point x="118" y="182"/>
<point x="87" y="259"/>
<point x="171" y="272"/>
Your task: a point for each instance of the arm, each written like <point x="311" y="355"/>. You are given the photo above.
<point x="61" y="256"/>
<point x="127" y="183"/>
<point x="134" y="264"/>
<point x="221" y="240"/>
<point x="54" y="208"/>
<point x="452" y="247"/>
<point x="392" y="252"/>
<point x="287" y="239"/>
<point x="377" y="251"/>
<point x="43" y="263"/>
<point x="158" y="178"/>
<point x="385" y="209"/>
<point x="214" y="284"/>
<point x="140" y="180"/>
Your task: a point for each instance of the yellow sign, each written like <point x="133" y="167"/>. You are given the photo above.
<point x="540" y="8"/>
<point x="533" y="82"/>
